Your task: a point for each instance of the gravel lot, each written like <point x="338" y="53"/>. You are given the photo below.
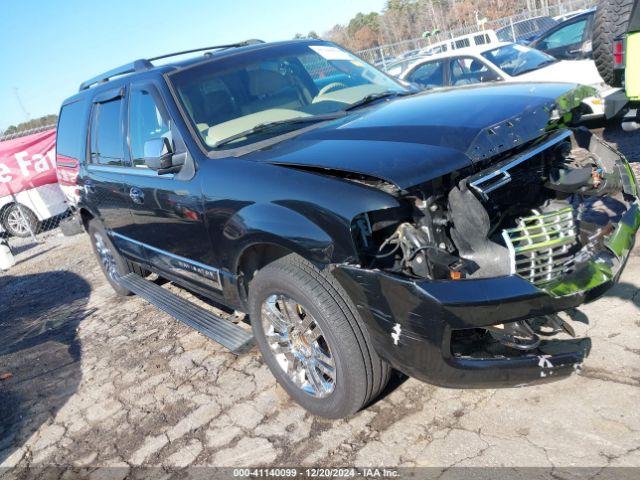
<point x="101" y="381"/>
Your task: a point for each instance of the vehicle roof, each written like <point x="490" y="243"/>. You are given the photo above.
<point x="459" y="37"/>
<point x="575" y="13"/>
<point x="578" y="14"/>
<point x="474" y="50"/>
<point x="165" y="67"/>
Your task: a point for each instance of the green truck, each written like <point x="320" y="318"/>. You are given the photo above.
<point x="616" y="47"/>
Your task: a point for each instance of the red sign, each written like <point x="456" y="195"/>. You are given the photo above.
<point x="27" y="162"/>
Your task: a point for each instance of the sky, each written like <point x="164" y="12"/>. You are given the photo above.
<point x="47" y="48"/>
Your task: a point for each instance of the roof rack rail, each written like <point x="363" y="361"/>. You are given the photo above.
<point x="145" y="64"/>
<point x="137" y="66"/>
<point x="204" y="49"/>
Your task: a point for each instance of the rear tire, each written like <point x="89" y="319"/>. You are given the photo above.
<point x="20" y="221"/>
<point x="612" y="21"/>
<point x="111" y="262"/>
<point x="332" y="368"/>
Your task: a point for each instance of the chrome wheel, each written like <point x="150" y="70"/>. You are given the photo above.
<point x="17" y="223"/>
<point x="299" y="345"/>
<point x="106" y="257"/>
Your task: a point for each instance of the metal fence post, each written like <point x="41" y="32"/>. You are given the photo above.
<point x="384" y="62"/>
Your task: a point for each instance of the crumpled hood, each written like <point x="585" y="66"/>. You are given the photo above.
<point x="411" y="140"/>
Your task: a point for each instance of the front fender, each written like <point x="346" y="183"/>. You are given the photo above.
<point x="281" y="225"/>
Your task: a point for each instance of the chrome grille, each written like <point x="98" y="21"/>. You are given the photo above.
<point x="542" y="245"/>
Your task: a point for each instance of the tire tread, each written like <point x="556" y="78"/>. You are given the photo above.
<point x="611" y="21"/>
<point x="321" y="284"/>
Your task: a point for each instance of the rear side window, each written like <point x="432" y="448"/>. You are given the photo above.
<point x="482" y="39"/>
<point x="107" y="147"/>
<point x="148" y="120"/>
<point x="70" y="136"/>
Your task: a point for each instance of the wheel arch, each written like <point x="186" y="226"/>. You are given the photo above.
<point x="86" y="216"/>
<point x="261" y="234"/>
<point x="270" y="227"/>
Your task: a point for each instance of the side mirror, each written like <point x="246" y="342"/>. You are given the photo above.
<point x="160" y="156"/>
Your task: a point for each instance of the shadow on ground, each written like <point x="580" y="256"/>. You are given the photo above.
<point x="39" y="350"/>
<point x="627" y="292"/>
<point x="626" y="142"/>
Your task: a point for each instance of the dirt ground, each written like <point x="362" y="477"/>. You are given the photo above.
<point x="101" y="381"/>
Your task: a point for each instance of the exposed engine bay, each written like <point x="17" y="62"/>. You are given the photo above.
<point x="543" y="212"/>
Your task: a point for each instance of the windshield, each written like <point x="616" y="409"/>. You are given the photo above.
<point x="397" y="68"/>
<point x="515" y="59"/>
<point x="276" y="86"/>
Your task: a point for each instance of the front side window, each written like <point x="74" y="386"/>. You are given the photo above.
<point x="567" y="36"/>
<point x="428" y="75"/>
<point x="148" y="120"/>
<point x="516" y="59"/>
<point x="107" y="147"/>
<point x="469" y="70"/>
<point x="285" y="87"/>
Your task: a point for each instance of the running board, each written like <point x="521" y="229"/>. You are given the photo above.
<point x="227" y="334"/>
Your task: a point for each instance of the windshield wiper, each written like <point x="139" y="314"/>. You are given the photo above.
<point x="266" y="127"/>
<point x="376" y="96"/>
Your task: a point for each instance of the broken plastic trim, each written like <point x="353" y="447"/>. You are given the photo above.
<point x="518" y="335"/>
<point x="487" y="183"/>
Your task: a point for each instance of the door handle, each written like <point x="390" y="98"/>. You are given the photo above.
<point x="136" y="195"/>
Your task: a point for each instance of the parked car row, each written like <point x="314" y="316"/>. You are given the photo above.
<point x="561" y="51"/>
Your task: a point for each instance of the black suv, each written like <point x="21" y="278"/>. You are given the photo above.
<point x="361" y="226"/>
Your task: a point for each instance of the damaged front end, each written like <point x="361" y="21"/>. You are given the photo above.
<point x="464" y="289"/>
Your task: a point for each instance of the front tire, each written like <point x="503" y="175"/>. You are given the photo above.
<point x="312" y="339"/>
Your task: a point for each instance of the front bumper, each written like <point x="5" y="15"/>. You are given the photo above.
<point x="411" y="323"/>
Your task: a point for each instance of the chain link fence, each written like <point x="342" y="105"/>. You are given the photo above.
<point x="32" y="204"/>
<point x="511" y="28"/>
